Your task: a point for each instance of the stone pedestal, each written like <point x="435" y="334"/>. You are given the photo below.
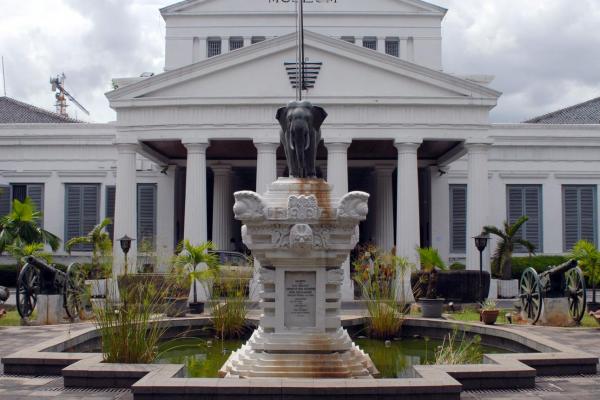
<point x="301" y="236"/>
<point x="49" y="309"/>
<point x="555" y="312"/>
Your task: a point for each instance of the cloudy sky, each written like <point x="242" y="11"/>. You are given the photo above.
<point x="545" y="54"/>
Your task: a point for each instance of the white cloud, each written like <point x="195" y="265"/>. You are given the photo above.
<point x="544" y="53"/>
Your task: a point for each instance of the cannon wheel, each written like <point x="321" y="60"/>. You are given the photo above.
<point x="74" y="291"/>
<point x="576" y="293"/>
<point x="28" y="288"/>
<point x="531" y="295"/>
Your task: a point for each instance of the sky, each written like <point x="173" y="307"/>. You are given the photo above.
<point x="545" y="54"/>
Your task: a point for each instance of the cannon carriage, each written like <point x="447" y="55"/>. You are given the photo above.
<point x="38" y="278"/>
<point x="563" y="281"/>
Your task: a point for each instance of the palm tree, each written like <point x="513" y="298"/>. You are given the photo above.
<point x="589" y="260"/>
<point x="430" y="263"/>
<point x="20" y="250"/>
<point x="22" y="224"/>
<point x="188" y="258"/>
<point x="502" y="259"/>
<point x="98" y="239"/>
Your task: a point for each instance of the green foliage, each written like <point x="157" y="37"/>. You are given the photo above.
<point x="588" y="258"/>
<point x="20" y="250"/>
<point x="430" y="258"/>
<point x="129" y="330"/>
<point x="23" y="224"/>
<point x="539" y="263"/>
<point x="459" y="349"/>
<point x="431" y="262"/>
<point x="456" y="266"/>
<point x="489" y="305"/>
<point x="101" y="245"/>
<point x="229" y="307"/>
<point x="501" y="260"/>
<point x="183" y="271"/>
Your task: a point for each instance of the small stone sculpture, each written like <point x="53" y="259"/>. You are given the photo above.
<point x="300" y="136"/>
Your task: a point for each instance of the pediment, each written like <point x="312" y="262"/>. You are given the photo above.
<point x="331" y="6"/>
<point x="348" y="72"/>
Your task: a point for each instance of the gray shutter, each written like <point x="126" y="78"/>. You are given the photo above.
<point x="110" y="209"/>
<point x="91" y="210"/>
<point x="526" y="200"/>
<point x="146" y="213"/>
<point x="73" y="202"/>
<point x="5" y="200"/>
<point x="458" y="219"/>
<point x="587" y="213"/>
<point x="36" y="193"/>
<point x="579" y="215"/>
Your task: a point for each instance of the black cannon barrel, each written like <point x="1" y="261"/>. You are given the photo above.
<point x="51" y="278"/>
<point x="560" y="269"/>
<point x="39" y="264"/>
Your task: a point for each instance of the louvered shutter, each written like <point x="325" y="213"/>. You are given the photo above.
<point x="5" y="200"/>
<point x="19" y="192"/>
<point x="458" y="219"/>
<point x="146" y="214"/>
<point x="73" y="201"/>
<point x="36" y="193"/>
<point x="579" y="215"/>
<point x="526" y="200"/>
<point x="91" y="214"/>
<point x="110" y="209"/>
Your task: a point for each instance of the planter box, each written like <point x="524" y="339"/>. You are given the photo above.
<point x="508" y="289"/>
<point x="431" y="308"/>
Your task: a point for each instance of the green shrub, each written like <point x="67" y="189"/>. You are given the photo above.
<point x="8" y="275"/>
<point x="457" y="267"/>
<point x="539" y="263"/>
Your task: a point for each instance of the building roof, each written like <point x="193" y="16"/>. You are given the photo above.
<point x="16" y="112"/>
<point x="583" y="113"/>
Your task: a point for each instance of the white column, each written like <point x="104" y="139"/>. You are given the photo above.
<point x="337" y="175"/>
<point x="266" y="165"/>
<point x="247" y="41"/>
<point x="224" y="45"/>
<point x="381" y="45"/>
<point x="266" y="173"/>
<point x="407" y="225"/>
<point x="359" y="41"/>
<point x="165" y="218"/>
<point x="404" y="49"/>
<point x="195" y="194"/>
<point x="477" y="199"/>
<point x="384" y="207"/>
<point x="125" y="208"/>
<point x="222" y="207"/>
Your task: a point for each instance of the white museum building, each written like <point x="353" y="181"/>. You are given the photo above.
<point x="415" y="137"/>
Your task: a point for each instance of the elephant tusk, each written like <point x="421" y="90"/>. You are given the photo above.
<point x="307" y="146"/>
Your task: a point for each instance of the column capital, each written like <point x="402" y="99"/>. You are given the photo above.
<point x="478" y="146"/>
<point x="196" y="147"/>
<point x="127" y="148"/>
<point x="221" y="169"/>
<point x="384" y="169"/>
<point x="340" y="146"/>
<point x="266" y="147"/>
<point x="408" y="146"/>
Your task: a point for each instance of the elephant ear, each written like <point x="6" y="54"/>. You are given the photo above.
<point x="282" y="118"/>
<point x="319" y="116"/>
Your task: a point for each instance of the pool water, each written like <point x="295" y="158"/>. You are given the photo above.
<point x="204" y="357"/>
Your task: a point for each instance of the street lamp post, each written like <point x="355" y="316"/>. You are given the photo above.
<point x="125" y="242"/>
<point x="481" y="242"/>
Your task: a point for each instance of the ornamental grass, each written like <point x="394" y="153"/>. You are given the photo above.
<point x="230" y="309"/>
<point x="459" y="349"/>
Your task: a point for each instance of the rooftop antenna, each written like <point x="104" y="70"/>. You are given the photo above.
<point x="61" y="94"/>
<point x="3" y="77"/>
<point x="300" y="51"/>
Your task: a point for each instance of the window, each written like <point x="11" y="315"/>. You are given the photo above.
<point x="35" y="191"/>
<point x="81" y="211"/>
<point x="392" y="47"/>
<point x="349" y="39"/>
<point x="370" y="43"/>
<point x="526" y="200"/>
<point x="257" y="39"/>
<point x="458" y="219"/>
<point x="579" y="215"/>
<point x="111" y="191"/>
<point x="236" y="42"/>
<point x="4" y="200"/>
<point x="146" y="214"/>
<point x="214" y="46"/>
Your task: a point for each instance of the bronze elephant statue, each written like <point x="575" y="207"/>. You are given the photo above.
<point x="300" y="136"/>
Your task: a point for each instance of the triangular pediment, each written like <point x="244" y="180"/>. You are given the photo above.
<point x="348" y="73"/>
<point x="331" y="6"/>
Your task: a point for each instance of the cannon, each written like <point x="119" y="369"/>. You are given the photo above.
<point x="38" y="278"/>
<point x="563" y="281"/>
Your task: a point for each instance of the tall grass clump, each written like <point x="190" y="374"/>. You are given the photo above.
<point x="459" y="349"/>
<point x="130" y="330"/>
<point x="376" y="274"/>
<point x="229" y="309"/>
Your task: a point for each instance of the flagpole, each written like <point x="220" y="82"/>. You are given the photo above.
<point x="300" y="50"/>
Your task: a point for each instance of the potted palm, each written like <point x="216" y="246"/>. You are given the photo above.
<point x="502" y="258"/>
<point x="588" y="258"/>
<point x="426" y="293"/>
<point x="488" y="313"/>
<point x="193" y="265"/>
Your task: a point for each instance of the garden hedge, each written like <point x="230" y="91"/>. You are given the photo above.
<point x="459" y="286"/>
<point x="9" y="273"/>
<point x="539" y="263"/>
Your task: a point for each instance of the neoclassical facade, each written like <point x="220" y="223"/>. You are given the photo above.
<point x="418" y="139"/>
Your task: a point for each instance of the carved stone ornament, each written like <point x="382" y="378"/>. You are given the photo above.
<point x="303" y="207"/>
<point x="301" y="237"/>
<point x="249" y="206"/>
<point x="354" y="206"/>
<point x="355" y="237"/>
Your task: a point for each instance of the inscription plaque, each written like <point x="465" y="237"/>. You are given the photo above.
<point x="300" y="299"/>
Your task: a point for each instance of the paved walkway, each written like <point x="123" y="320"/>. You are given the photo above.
<point x="548" y="388"/>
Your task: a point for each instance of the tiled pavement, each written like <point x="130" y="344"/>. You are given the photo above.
<point x="548" y="388"/>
